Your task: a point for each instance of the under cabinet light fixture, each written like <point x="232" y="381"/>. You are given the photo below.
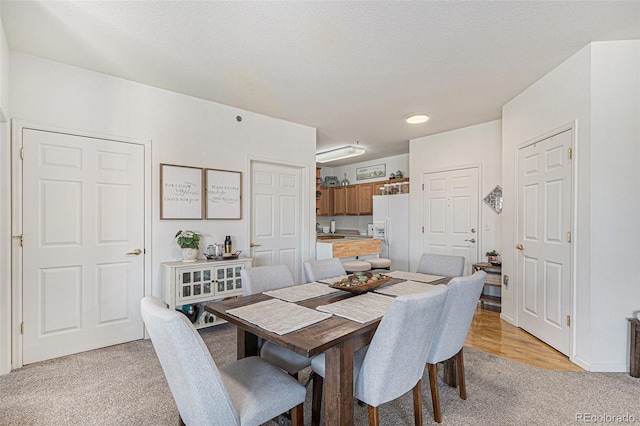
<point x="339" y="153"/>
<point x="417" y="118"/>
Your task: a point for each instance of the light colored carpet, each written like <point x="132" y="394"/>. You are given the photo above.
<point x="124" y="385"/>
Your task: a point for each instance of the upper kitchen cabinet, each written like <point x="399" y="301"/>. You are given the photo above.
<point x="365" y="198"/>
<point x="351" y="199"/>
<point x="339" y="200"/>
<point x="324" y="202"/>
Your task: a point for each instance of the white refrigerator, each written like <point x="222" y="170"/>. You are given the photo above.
<point x="391" y="225"/>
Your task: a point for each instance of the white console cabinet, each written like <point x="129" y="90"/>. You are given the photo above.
<point x="202" y="281"/>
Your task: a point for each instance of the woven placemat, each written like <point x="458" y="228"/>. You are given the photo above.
<point x="301" y="292"/>
<point x="414" y="276"/>
<point x="405" y="287"/>
<point x="278" y="316"/>
<point x="332" y="279"/>
<point x="363" y="308"/>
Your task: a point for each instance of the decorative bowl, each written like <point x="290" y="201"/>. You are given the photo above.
<point x="350" y="283"/>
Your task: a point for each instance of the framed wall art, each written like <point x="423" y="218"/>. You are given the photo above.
<point x="223" y="190"/>
<point x="370" y="172"/>
<point x="180" y="192"/>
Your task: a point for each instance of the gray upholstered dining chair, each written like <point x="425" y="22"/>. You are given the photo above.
<point x="394" y="361"/>
<point x="249" y="391"/>
<point x="272" y="277"/>
<point x="316" y="270"/>
<point x="457" y="314"/>
<point x="441" y="264"/>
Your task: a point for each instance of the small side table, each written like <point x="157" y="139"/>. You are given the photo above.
<point x="634" y="364"/>
<point x="494" y="278"/>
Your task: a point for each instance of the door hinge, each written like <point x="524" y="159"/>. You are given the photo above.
<point x="22" y="153"/>
<point x="423" y="229"/>
<point x="22" y="327"/>
<point x="21" y="237"/>
<point x="570" y="153"/>
<point x="568" y="320"/>
<point x="568" y="237"/>
<point x="423" y="186"/>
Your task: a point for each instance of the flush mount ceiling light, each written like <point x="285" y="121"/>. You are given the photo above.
<point x="339" y="153"/>
<point x="417" y="118"/>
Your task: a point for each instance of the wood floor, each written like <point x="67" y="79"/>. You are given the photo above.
<point x="491" y="334"/>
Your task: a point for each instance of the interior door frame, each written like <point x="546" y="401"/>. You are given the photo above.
<point x="479" y="228"/>
<point x="305" y="205"/>
<point x="573" y="128"/>
<point x="17" y="127"/>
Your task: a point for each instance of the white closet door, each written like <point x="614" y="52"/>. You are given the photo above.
<point x="544" y="223"/>
<point x="83" y="222"/>
<point x="450" y="214"/>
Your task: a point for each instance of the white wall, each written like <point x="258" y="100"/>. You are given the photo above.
<point x="597" y="90"/>
<point x="469" y="146"/>
<point x="183" y="130"/>
<point x="5" y="210"/>
<point x="615" y="200"/>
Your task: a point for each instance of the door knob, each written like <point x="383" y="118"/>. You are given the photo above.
<point x="520" y="247"/>
<point x="473" y="240"/>
<point x="136" y="252"/>
<point x="252" y="244"/>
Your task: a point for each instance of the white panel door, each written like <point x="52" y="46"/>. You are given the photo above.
<point x="83" y="216"/>
<point x="276" y="216"/>
<point x="450" y="213"/>
<point x="544" y="223"/>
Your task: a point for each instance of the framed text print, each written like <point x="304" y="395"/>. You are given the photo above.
<point x="224" y="194"/>
<point x="180" y="192"/>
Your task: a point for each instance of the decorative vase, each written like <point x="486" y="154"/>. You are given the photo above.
<point x="189" y="254"/>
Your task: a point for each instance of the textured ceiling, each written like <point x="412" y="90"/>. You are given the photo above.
<point x="353" y="69"/>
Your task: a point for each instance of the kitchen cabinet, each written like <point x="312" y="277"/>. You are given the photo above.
<point x="351" y="200"/>
<point x="339" y="200"/>
<point x="365" y="198"/>
<point x="202" y="281"/>
<point x="324" y="203"/>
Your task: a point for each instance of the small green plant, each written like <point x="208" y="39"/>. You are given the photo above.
<point x="492" y="253"/>
<point x="188" y="239"/>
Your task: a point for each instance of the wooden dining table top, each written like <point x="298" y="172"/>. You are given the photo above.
<point x="313" y="339"/>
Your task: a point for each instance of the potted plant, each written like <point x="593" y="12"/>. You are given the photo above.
<point x="493" y="256"/>
<point x="189" y="243"/>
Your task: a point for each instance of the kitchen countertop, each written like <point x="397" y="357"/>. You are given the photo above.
<point x="339" y="236"/>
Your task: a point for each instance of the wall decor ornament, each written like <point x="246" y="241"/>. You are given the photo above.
<point x="180" y="192"/>
<point x="223" y="190"/>
<point x="494" y="199"/>
<point x="371" y="172"/>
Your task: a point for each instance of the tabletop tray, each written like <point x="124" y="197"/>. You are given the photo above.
<point x="362" y="288"/>
<point x="227" y="257"/>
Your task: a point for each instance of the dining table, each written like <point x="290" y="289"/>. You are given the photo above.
<point x="339" y="338"/>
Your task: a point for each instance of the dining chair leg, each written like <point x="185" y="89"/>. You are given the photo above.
<point x="180" y="422"/>
<point x="316" y="399"/>
<point x="435" y="398"/>
<point x="297" y="415"/>
<point x="417" y="403"/>
<point x="460" y="374"/>
<point x="374" y="420"/>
